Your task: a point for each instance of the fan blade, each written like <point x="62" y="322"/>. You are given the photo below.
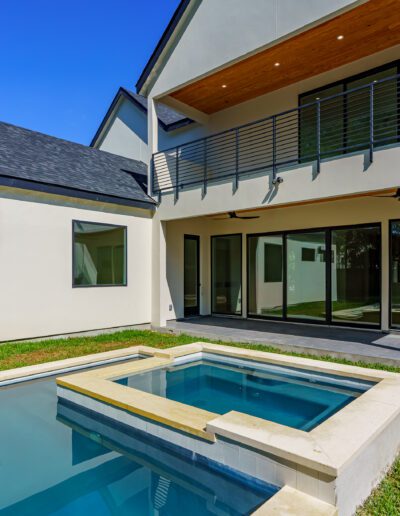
<point x="249" y="217"/>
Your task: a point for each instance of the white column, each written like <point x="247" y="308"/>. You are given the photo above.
<point x="385" y="275"/>
<point x="159" y="284"/>
<point x="152" y="136"/>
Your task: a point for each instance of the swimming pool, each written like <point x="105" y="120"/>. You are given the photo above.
<point x="63" y="460"/>
<point x="297" y="398"/>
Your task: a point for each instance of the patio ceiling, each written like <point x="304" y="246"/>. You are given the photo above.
<point x="368" y="28"/>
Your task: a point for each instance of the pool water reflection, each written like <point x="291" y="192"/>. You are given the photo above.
<point x="64" y="461"/>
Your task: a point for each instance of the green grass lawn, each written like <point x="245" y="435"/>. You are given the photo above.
<point x="385" y="500"/>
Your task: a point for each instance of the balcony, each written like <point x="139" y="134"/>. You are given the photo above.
<point x="359" y="119"/>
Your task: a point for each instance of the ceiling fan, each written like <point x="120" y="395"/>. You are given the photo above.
<point x="234" y="215"/>
<point x="396" y="195"/>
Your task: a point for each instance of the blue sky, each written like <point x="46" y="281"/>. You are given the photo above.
<point x="62" y="61"/>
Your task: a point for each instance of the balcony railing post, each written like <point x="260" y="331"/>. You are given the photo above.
<point x="236" y="159"/>
<point x="371" y="123"/>
<point x="318" y="137"/>
<point x="311" y="132"/>
<point x="274" y="147"/>
<point x="177" y="173"/>
<point x="151" y="176"/>
<point x="205" y="167"/>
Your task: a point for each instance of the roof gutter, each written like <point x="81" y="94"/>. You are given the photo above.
<point x="52" y="189"/>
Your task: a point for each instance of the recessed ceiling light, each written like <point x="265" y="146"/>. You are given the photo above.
<point x="340" y="37"/>
<point x="223" y="86"/>
<point x="317" y="98"/>
<point x="277" y="64"/>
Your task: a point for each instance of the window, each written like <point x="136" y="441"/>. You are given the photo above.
<point x="265" y="275"/>
<point x="308" y="254"/>
<point x="99" y="254"/>
<point x="272" y="263"/>
<point x="345" y="119"/>
<point x="330" y="275"/>
<point x="226" y="273"/>
<point x="395" y="273"/>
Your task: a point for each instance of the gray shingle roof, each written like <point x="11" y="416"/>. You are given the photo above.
<point x="37" y="157"/>
<point x="166" y="115"/>
<point x="168" y="118"/>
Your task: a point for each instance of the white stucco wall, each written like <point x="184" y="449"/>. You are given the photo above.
<point x="36" y="295"/>
<point x="247" y="26"/>
<point x="126" y="132"/>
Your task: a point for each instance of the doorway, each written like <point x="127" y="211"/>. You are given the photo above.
<point x="191" y="275"/>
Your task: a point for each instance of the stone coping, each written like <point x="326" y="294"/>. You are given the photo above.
<point x="291" y="502"/>
<point x="87" y="360"/>
<point x="326" y="449"/>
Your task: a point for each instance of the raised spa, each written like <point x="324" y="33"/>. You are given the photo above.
<point x="297" y="398"/>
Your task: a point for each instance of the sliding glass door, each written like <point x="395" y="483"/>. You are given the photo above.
<point x="331" y="275"/>
<point x="191" y="276"/>
<point x="306" y="275"/>
<point x="226" y="273"/>
<point x="395" y="273"/>
<point x="356" y="275"/>
<point x="265" y="278"/>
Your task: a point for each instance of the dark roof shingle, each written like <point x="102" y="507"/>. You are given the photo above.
<point x="165" y="114"/>
<point x="40" y="158"/>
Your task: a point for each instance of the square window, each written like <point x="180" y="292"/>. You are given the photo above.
<point x="99" y="254"/>
<point x="307" y="254"/>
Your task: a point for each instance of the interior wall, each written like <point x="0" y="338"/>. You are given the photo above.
<point x="36" y="296"/>
<point x="328" y="214"/>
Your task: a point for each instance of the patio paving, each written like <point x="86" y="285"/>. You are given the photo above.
<point x="354" y="344"/>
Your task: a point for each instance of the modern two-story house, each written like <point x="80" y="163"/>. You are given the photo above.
<point x="282" y="201"/>
<point x="271" y="133"/>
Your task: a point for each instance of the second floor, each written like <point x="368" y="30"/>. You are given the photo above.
<point x="311" y="114"/>
<point x="243" y="113"/>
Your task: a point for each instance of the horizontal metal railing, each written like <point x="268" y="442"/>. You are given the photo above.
<point x="362" y="118"/>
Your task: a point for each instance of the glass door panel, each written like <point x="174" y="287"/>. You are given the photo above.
<point x="265" y="275"/>
<point x="395" y="273"/>
<point x="356" y="275"/>
<point x="191" y="275"/>
<point x="306" y="275"/>
<point x="226" y="271"/>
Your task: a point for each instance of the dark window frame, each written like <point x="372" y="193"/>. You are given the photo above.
<point x="212" y="237"/>
<point x="344" y="82"/>
<point x="391" y="325"/>
<point x="190" y="312"/>
<point x="125" y="228"/>
<point x="328" y="230"/>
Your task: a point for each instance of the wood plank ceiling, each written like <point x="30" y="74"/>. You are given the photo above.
<point x="366" y="29"/>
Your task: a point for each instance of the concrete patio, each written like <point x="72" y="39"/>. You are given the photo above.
<point x="353" y="344"/>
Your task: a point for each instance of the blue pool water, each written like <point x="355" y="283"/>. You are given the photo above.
<point x="297" y="398"/>
<point x="58" y="459"/>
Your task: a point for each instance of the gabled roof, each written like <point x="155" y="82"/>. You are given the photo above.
<point x="37" y="161"/>
<point x="168" y="118"/>
<point x="176" y="17"/>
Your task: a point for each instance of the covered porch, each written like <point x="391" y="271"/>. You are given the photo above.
<point x="331" y="263"/>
